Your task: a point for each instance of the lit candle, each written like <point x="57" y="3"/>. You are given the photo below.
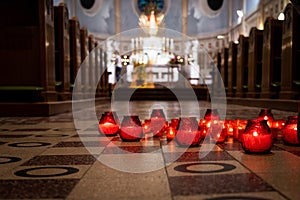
<point x="188" y="133"/>
<point x="146" y="126"/>
<point x="257" y="137"/>
<point x="108" y="128"/>
<point x="157" y="124"/>
<point x="266" y="114"/>
<point x="131" y="129"/>
<point x="289" y="131"/>
<point x="108" y="124"/>
<point x="276" y="127"/>
<point x="218" y="132"/>
<point x="171" y="133"/>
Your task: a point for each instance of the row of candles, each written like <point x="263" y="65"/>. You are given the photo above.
<point x="256" y="136"/>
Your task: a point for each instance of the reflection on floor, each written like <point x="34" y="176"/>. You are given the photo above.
<point x="49" y="158"/>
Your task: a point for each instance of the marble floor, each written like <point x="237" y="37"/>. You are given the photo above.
<point x="65" y="157"/>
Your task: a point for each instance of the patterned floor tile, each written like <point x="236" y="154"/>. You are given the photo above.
<point x="83" y="144"/>
<point x="61" y="160"/>
<point x="205" y="168"/>
<point x="195" y="156"/>
<point x="217" y="184"/>
<point x="36" y="189"/>
<point x="131" y="149"/>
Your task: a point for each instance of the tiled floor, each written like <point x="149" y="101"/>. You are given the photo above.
<point x="55" y="158"/>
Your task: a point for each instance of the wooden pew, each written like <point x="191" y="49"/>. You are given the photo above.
<point x="75" y="50"/>
<point x="242" y="67"/>
<point x="255" y="62"/>
<point x="271" y="69"/>
<point x="27" y="51"/>
<point x="232" y="64"/>
<point x="290" y="67"/>
<point x="84" y="63"/>
<point x="224" y="67"/>
<point x="62" y="52"/>
<point x="91" y="69"/>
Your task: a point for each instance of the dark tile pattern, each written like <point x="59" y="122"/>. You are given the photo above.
<point x="185" y="168"/>
<point x="132" y="149"/>
<point x="81" y="144"/>
<point x="31" y="129"/>
<point x="28" y="172"/>
<point x="36" y="189"/>
<point x="61" y="160"/>
<point x="217" y="184"/>
<point x="13" y="136"/>
<point x="194" y="156"/>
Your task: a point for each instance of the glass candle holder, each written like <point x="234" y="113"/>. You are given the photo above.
<point x="276" y="127"/>
<point x="131" y="128"/>
<point x="266" y="114"/>
<point x="298" y="126"/>
<point x="188" y="133"/>
<point x="218" y="132"/>
<point x="108" y="124"/>
<point x="157" y="124"/>
<point x="289" y="131"/>
<point x="170" y="132"/>
<point x="257" y="137"/>
<point x="212" y="114"/>
<point x="146" y="126"/>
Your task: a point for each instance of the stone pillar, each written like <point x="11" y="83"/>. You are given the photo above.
<point x="242" y="66"/>
<point x="255" y="62"/>
<point x="271" y="69"/>
<point x="117" y="5"/>
<point x="232" y="63"/>
<point x="224" y="67"/>
<point x="290" y="68"/>
<point x="185" y="5"/>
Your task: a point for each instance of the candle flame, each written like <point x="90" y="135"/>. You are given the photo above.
<point x="255" y="134"/>
<point x="171" y="132"/>
<point x="295" y="128"/>
<point x="218" y="135"/>
<point x="265" y="117"/>
<point x="208" y="124"/>
<point x="230" y="129"/>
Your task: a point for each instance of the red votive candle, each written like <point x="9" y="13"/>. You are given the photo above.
<point x="108" y="125"/>
<point x="266" y="114"/>
<point x="257" y="137"/>
<point x="188" y="133"/>
<point x="276" y="127"/>
<point x="212" y="114"/>
<point x="146" y="126"/>
<point x="157" y="124"/>
<point x="131" y="129"/>
<point x="289" y="131"/>
<point x="171" y="133"/>
<point x="218" y="132"/>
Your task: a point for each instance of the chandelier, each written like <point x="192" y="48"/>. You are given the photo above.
<point x="151" y="19"/>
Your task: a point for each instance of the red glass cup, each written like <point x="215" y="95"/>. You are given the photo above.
<point x="212" y="114"/>
<point x="188" y="133"/>
<point x="170" y="133"/>
<point x="289" y="131"/>
<point x="218" y="132"/>
<point x="257" y="137"/>
<point x="157" y="124"/>
<point x="266" y="114"/>
<point x="108" y="124"/>
<point x="131" y="129"/>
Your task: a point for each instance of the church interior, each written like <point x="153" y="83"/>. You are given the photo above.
<point x="150" y="99"/>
